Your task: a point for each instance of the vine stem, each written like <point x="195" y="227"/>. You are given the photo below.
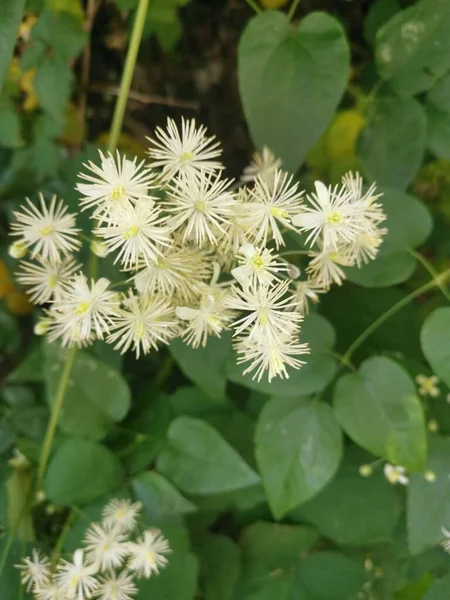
<point x="438" y="281"/>
<point x="427" y="265"/>
<point x="127" y="74"/>
<point x="54" y="417"/>
<point x="254" y="6"/>
<point x="292" y="9"/>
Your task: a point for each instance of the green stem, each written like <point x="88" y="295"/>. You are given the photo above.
<point x="292" y="9"/>
<point x="54" y="417"/>
<point x="431" y="270"/>
<point x="436" y="282"/>
<point x="254" y="6"/>
<point x="62" y="536"/>
<point x="127" y="75"/>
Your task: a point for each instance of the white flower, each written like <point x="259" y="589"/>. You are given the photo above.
<point x="188" y="152"/>
<point x="116" y="587"/>
<point x="428" y="386"/>
<point x="46" y="278"/>
<point x="306" y="292"/>
<point x="136" y="232"/>
<point x="269" y="205"/>
<point x="395" y="474"/>
<point x="105" y="546"/>
<point x="271" y="312"/>
<point x="263" y="163"/>
<point x="122" y="514"/>
<point x="61" y="326"/>
<point x="326" y="267"/>
<point x="209" y="318"/>
<point x="236" y="230"/>
<point x="176" y="271"/>
<point x="272" y="354"/>
<point x="147" y="554"/>
<point x="201" y="205"/>
<point x="49" y="231"/>
<point x="76" y="578"/>
<point x="332" y="216"/>
<point x="85" y="309"/>
<point x="51" y="591"/>
<point x="35" y="571"/>
<point x="257" y="266"/>
<point x="446" y="543"/>
<point x="115" y="184"/>
<point x="364" y="247"/>
<point x="142" y="324"/>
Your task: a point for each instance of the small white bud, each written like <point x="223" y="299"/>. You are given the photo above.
<point x="17" y="250"/>
<point x="41" y="327"/>
<point x="433" y="426"/>
<point x="99" y="249"/>
<point x="293" y="271"/>
<point x="430" y="476"/>
<point x="366" y="470"/>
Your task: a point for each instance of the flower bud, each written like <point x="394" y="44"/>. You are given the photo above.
<point x="366" y="470"/>
<point x="17" y="250"/>
<point x="41" y="327"/>
<point x="100" y="249"/>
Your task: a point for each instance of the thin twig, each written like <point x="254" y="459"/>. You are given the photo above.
<point x="114" y="90"/>
<point x="254" y="6"/>
<point x="292" y="9"/>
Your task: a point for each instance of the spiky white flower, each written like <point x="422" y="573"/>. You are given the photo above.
<point x="116" y="586"/>
<point x="201" y="206"/>
<point x="60" y="326"/>
<point x="147" y="555"/>
<point x="428" y="386"/>
<point x="136" y="232"/>
<point x="142" y="324"/>
<point x="51" y="591"/>
<point x="306" y="292"/>
<point x="395" y="474"/>
<point x="364" y="247"/>
<point x="263" y="163"/>
<point x="49" y="231"/>
<point x="272" y="355"/>
<point x="122" y="514"/>
<point x="210" y="317"/>
<point x="77" y="578"/>
<point x="186" y="152"/>
<point x="446" y="542"/>
<point x="46" y="278"/>
<point x="34" y="570"/>
<point x="271" y="205"/>
<point x="257" y="266"/>
<point x="271" y="312"/>
<point x="116" y="183"/>
<point x="177" y="270"/>
<point x="326" y="267"/>
<point x="105" y="546"/>
<point x="87" y="309"/>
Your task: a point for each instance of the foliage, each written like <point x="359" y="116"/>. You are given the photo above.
<point x="264" y="489"/>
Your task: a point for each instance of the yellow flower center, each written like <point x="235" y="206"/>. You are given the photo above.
<point x="200" y="206"/>
<point x="186" y="157"/>
<point x="263" y="316"/>
<point x="118" y="192"/>
<point x="278" y="212"/>
<point x="139" y="329"/>
<point x="44" y="231"/>
<point x="52" y="281"/>
<point x="131" y="232"/>
<point x="73" y="582"/>
<point x="335" y="218"/>
<point x="82" y="308"/>
<point x="256" y="262"/>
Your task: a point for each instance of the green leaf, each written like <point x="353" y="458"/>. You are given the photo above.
<point x="199" y="461"/>
<point x="312" y="377"/>
<point x="291" y="80"/>
<point x="392" y="144"/>
<point x="428" y="508"/>
<point x="378" y="14"/>
<point x="440" y="589"/>
<point x="176" y="581"/>
<point x="80" y="471"/>
<point x="159" y="497"/>
<point x="11" y="12"/>
<point x="298" y="449"/>
<point x="53" y="85"/>
<point x="415" y="40"/>
<point x="384" y="271"/>
<point x="10" y="126"/>
<point x="220" y="567"/>
<point x="378" y="408"/>
<point x="345" y="576"/>
<point x="31" y="368"/>
<point x="62" y="31"/>
<point x="435" y="342"/>
<point x="351" y="509"/>
<point x="438" y="112"/>
<point x="204" y="366"/>
<point x="9" y="332"/>
<point x="97" y="396"/>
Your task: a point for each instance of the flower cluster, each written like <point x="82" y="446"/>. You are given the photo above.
<point x="176" y="228"/>
<point x="108" y="564"/>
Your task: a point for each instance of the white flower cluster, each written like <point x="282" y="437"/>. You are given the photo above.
<point x="176" y="227"/>
<point x="107" y="565"/>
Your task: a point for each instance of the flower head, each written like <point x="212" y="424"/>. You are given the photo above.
<point x="306" y="292"/>
<point x="45" y="278"/>
<point x="116" y="586"/>
<point x="264" y="164"/>
<point x="395" y="474"/>
<point x="326" y="267"/>
<point x="147" y="555"/>
<point x="122" y="514"/>
<point x="428" y="386"/>
<point x="51" y="591"/>
<point x="105" y="546"/>
<point x="257" y="266"/>
<point x="77" y="578"/>
<point x="446" y="542"/>
<point x="116" y="183"/>
<point x="186" y="152"/>
<point x="49" y="231"/>
<point x="34" y="570"/>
